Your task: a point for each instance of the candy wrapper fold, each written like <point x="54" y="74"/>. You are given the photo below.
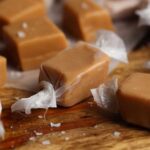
<point x="44" y="99"/>
<point x="2" y="130"/>
<point x="144" y="15"/>
<point x="105" y="96"/>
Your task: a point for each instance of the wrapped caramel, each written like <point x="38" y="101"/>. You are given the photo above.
<point x="68" y="77"/>
<point x="131" y="98"/>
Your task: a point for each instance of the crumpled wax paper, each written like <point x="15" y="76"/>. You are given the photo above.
<point x="28" y="80"/>
<point x="144" y="15"/>
<point x="120" y="9"/>
<point x="2" y="130"/>
<point x="105" y="96"/>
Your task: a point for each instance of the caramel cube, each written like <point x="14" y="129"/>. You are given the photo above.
<point x="3" y="71"/>
<point x="134" y="99"/>
<point x="83" y="18"/>
<point x="74" y="72"/>
<point x="16" y="10"/>
<point x="33" y="41"/>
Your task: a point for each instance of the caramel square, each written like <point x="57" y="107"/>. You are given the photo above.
<point x="31" y="42"/>
<point x="3" y="71"/>
<point x="134" y="99"/>
<point x="74" y="72"/>
<point x="83" y="18"/>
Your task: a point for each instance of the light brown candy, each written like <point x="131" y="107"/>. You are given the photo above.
<point x="74" y="72"/>
<point x="16" y="10"/>
<point x="83" y="18"/>
<point x="3" y="71"/>
<point x="134" y="99"/>
<point x="33" y="41"/>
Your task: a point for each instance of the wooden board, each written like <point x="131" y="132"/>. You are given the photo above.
<point x="85" y="125"/>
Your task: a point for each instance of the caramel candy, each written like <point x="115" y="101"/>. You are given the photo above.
<point x="3" y="71"/>
<point x="82" y="18"/>
<point x="16" y="10"/>
<point x="74" y="72"/>
<point x="134" y="99"/>
<point x="33" y="41"/>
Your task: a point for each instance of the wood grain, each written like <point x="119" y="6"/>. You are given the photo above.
<point x="85" y="124"/>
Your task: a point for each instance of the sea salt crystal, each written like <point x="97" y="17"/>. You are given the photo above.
<point x="21" y="34"/>
<point x="32" y="138"/>
<point x="11" y="127"/>
<point x="38" y="133"/>
<point x="67" y="138"/>
<point x="40" y="117"/>
<point x="46" y="142"/>
<point x="24" y="25"/>
<point x="63" y="132"/>
<point x="116" y="134"/>
<point x="55" y="125"/>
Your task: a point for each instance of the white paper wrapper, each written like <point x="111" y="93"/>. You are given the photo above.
<point x="120" y="9"/>
<point x="108" y="43"/>
<point x="105" y="96"/>
<point x="46" y="98"/>
<point x="2" y="130"/>
<point x="144" y="15"/>
<point x="112" y="45"/>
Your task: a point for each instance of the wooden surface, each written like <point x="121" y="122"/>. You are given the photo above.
<point x="85" y="125"/>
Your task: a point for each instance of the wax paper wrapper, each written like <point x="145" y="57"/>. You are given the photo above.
<point x="144" y="15"/>
<point x="121" y="9"/>
<point x="48" y="97"/>
<point x="2" y="130"/>
<point x="105" y="96"/>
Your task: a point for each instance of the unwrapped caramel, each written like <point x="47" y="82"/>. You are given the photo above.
<point x="16" y="10"/>
<point x="134" y="99"/>
<point x="74" y="72"/>
<point x="83" y="18"/>
<point x="33" y="41"/>
<point x="3" y="71"/>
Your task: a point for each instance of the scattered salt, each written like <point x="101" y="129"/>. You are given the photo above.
<point x="32" y="138"/>
<point x="67" y="138"/>
<point x="46" y="142"/>
<point x="40" y="117"/>
<point x="11" y="127"/>
<point x="55" y="125"/>
<point x="21" y="34"/>
<point x="63" y="132"/>
<point x="38" y="133"/>
<point x="116" y="134"/>
<point x="24" y="25"/>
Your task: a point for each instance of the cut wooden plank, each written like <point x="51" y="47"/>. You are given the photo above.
<point x="78" y="122"/>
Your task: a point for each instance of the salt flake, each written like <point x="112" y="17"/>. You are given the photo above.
<point x="21" y="34"/>
<point x="24" y="25"/>
<point x="55" y="125"/>
<point x="46" y="142"/>
<point x="116" y="134"/>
